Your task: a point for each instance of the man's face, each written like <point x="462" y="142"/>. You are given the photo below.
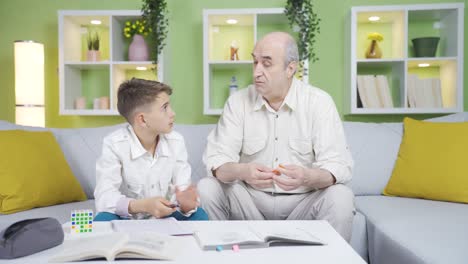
<point x="269" y="70"/>
<point x="159" y="117"/>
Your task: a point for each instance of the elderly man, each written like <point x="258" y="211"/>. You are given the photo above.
<point x="279" y="151"/>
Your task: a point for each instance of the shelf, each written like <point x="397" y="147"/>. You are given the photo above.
<point x="229" y="62"/>
<point x="390" y="25"/>
<point x="218" y="68"/>
<point x="84" y="80"/>
<point x="435" y="23"/>
<point x="220" y="79"/>
<point x="432" y="59"/>
<point x="413" y="88"/>
<point x="443" y="71"/>
<point x="223" y="35"/>
<point x="88" y="65"/>
<point x="386" y="111"/>
<point x="91" y="112"/>
<point x="377" y="61"/>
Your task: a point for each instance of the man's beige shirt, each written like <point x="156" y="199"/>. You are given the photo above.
<point x="306" y="131"/>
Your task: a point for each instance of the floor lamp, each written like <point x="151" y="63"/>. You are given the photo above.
<point x="29" y="83"/>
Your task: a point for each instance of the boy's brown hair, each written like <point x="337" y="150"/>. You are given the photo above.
<point x="137" y="93"/>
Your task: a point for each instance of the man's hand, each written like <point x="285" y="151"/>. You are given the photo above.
<point x="187" y="199"/>
<point x="258" y="176"/>
<point x="156" y="206"/>
<point x="295" y="176"/>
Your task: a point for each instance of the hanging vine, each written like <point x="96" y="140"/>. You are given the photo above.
<point x="155" y="12"/>
<point x="303" y="19"/>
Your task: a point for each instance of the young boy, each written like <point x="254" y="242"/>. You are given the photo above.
<point x="143" y="170"/>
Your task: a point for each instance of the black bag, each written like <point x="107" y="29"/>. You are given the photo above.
<point x="30" y="236"/>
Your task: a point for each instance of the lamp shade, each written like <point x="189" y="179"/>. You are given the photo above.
<point x="29" y="83"/>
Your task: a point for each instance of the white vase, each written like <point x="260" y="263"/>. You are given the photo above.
<point x="138" y="49"/>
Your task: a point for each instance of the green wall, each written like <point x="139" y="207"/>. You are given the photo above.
<point x="37" y="20"/>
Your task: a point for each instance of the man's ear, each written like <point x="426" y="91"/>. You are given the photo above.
<point x="291" y="69"/>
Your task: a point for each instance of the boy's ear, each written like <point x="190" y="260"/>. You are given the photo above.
<point x="139" y="119"/>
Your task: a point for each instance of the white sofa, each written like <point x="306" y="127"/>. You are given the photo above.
<point x="385" y="229"/>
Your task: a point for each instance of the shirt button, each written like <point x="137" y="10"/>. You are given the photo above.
<point x="277" y="116"/>
<point x="152" y="186"/>
<point x="276" y="159"/>
<point x="276" y="138"/>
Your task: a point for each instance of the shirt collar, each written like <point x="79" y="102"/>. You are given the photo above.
<point x="290" y="100"/>
<point x="137" y="150"/>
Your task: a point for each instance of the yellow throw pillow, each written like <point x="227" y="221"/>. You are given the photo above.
<point x="432" y="162"/>
<point x="34" y="172"/>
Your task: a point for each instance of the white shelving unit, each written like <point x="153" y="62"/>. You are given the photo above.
<point x="399" y="24"/>
<point x="93" y="79"/>
<point x="218" y="34"/>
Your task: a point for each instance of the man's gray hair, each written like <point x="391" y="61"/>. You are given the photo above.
<point x="292" y="53"/>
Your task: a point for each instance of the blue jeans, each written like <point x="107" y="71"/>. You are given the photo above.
<point x="199" y="215"/>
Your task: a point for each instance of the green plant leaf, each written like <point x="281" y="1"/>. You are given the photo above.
<point x="301" y="13"/>
<point x="155" y="12"/>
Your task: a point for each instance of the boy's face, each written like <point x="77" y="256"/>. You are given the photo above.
<point x="159" y="117"/>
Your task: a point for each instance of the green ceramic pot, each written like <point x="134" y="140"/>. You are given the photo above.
<point x="425" y="47"/>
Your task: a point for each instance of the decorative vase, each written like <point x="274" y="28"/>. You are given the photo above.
<point x="425" y="47"/>
<point x="374" y="51"/>
<point x="138" y="49"/>
<point x="93" y="55"/>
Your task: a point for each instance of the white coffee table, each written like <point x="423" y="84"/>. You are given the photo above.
<point x="336" y="250"/>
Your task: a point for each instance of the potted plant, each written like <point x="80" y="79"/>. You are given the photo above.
<point x="93" y="53"/>
<point x="155" y="12"/>
<point x="306" y="23"/>
<point x="137" y="30"/>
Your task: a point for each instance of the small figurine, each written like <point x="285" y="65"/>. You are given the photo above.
<point x="234" y="49"/>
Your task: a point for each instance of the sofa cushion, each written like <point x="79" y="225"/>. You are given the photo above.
<point x="33" y="172"/>
<point x="457" y="117"/>
<point x="431" y="162"/>
<point x="195" y="141"/>
<point x="408" y="230"/>
<point x="359" y="236"/>
<point x="82" y="147"/>
<point x="374" y="148"/>
<point x="4" y="125"/>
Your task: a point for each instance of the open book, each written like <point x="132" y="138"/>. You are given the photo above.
<point x="165" y="226"/>
<point x="248" y="237"/>
<point x="120" y="245"/>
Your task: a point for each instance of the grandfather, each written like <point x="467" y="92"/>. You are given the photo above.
<point x="279" y="151"/>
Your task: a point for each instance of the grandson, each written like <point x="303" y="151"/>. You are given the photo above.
<point x="143" y="170"/>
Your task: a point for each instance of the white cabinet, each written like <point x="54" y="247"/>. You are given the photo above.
<point x="86" y="81"/>
<point x="239" y="28"/>
<point x="414" y="83"/>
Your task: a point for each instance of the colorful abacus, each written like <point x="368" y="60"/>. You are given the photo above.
<point x="81" y="221"/>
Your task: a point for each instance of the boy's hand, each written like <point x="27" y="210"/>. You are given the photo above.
<point x="187" y="199"/>
<point x="156" y="206"/>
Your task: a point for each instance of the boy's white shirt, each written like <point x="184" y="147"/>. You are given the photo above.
<point x="126" y="170"/>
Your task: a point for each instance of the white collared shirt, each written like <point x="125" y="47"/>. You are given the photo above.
<point x="126" y="170"/>
<point x="305" y="131"/>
